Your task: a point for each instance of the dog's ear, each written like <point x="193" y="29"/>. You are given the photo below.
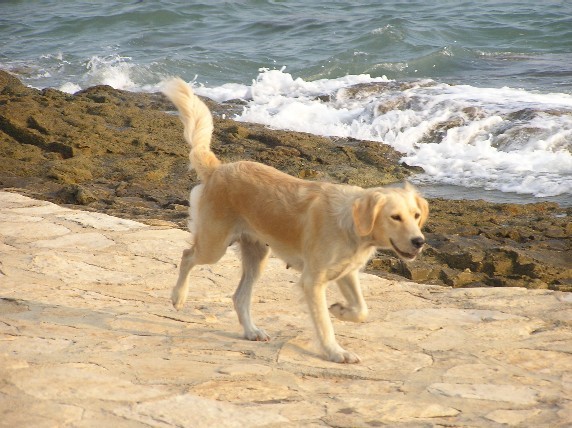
<point x="422" y="203"/>
<point x="424" y="207"/>
<point x="365" y="211"/>
<point x="409" y="187"/>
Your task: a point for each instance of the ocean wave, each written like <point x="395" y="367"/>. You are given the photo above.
<point x="112" y="70"/>
<point x="504" y="139"/>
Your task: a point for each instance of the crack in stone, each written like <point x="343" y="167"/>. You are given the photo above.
<point x="177" y="319"/>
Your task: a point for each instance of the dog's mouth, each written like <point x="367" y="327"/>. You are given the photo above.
<point x="403" y="254"/>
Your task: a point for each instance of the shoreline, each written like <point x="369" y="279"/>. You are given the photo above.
<point x="453" y="192"/>
<point x="120" y="153"/>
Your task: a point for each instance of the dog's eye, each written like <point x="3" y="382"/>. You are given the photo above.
<point x="417" y="215"/>
<point x="396" y="217"/>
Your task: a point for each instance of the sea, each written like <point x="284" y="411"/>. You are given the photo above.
<point x="477" y="93"/>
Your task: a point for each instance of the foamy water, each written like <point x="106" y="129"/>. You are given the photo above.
<point x="503" y="139"/>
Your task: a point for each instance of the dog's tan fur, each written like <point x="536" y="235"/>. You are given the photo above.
<point x="326" y="231"/>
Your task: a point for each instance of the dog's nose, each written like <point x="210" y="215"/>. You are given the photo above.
<point x="418" y="242"/>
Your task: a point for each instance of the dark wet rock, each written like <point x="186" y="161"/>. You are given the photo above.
<point x="477" y="243"/>
<point x="77" y="195"/>
<point x="304" y="155"/>
<point x="364" y="90"/>
<point x="123" y="153"/>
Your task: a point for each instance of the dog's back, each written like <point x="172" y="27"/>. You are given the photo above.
<point x="271" y="206"/>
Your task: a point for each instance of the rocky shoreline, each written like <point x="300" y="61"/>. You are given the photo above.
<point x="123" y="154"/>
<point x="89" y="338"/>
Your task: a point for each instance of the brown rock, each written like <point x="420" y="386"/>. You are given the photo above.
<point x="122" y="153"/>
<point x="420" y="271"/>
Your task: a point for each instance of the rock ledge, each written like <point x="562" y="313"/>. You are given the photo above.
<point x="88" y="338"/>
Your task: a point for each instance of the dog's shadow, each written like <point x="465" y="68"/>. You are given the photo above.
<point x="279" y="344"/>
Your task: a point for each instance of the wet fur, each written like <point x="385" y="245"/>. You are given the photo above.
<point x="326" y="231"/>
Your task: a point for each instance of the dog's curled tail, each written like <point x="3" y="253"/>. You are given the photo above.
<point x="198" y="123"/>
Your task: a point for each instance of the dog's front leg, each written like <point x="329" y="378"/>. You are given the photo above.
<point x="356" y="309"/>
<point x="315" y="291"/>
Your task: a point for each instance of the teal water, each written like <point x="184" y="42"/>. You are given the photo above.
<point x="518" y="44"/>
<point x="477" y="93"/>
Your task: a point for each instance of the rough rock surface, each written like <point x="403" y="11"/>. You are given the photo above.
<point x="88" y="338"/>
<point x="121" y="153"/>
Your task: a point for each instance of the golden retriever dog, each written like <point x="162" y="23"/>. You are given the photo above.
<point x="326" y="231"/>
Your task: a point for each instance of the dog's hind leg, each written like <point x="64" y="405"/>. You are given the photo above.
<point x="356" y="309"/>
<point x="210" y="245"/>
<point x="180" y="291"/>
<point x="254" y="255"/>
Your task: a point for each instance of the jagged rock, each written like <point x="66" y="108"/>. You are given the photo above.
<point x="457" y="278"/>
<point x="123" y="153"/>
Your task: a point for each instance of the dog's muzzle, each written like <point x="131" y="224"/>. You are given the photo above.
<point x="417" y="244"/>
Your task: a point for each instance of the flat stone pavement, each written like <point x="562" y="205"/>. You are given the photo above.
<point x="88" y="338"/>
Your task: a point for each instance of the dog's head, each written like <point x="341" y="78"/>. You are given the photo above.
<point x="392" y="219"/>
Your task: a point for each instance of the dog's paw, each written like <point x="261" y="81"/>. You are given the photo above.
<point x="178" y="299"/>
<point x="257" y="335"/>
<point x="343" y="357"/>
<point x="345" y="313"/>
<point x="338" y="310"/>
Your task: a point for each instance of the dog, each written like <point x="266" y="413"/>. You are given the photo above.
<point x="326" y="231"/>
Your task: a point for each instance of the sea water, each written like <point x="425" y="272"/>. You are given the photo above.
<point x="479" y="94"/>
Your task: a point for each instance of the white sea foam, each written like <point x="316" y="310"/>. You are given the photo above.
<point x="272" y="84"/>
<point x="503" y="139"/>
<point x="117" y="71"/>
<point x="228" y="91"/>
<point x="112" y="70"/>
<point x="70" y="88"/>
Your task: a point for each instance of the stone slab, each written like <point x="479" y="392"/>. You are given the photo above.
<point x="88" y="338"/>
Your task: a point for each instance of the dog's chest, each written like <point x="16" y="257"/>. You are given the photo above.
<point x="354" y="262"/>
